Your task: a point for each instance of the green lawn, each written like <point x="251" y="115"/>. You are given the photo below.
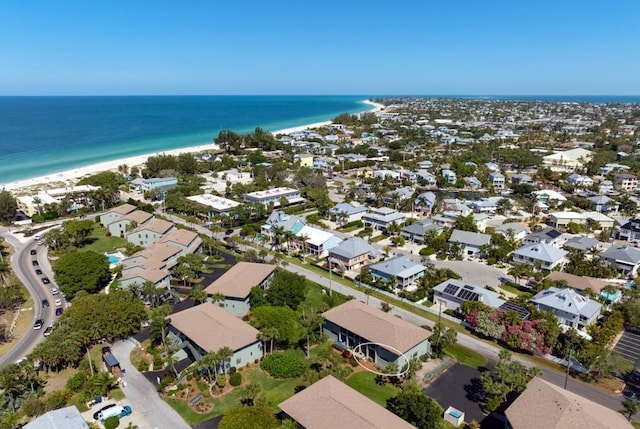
<point x="466" y="356"/>
<point x="636" y="425"/>
<point x="365" y="383"/>
<point x="102" y="243"/>
<point x="514" y="290"/>
<point x="377" y="238"/>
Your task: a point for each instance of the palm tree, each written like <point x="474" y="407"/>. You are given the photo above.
<point x="225" y="354"/>
<point x="198" y="295"/>
<point x="208" y="361"/>
<point x="217" y="297"/>
<point x="631" y="407"/>
<point x="267" y="335"/>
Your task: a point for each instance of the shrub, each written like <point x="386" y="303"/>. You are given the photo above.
<point x="283" y="365"/>
<point x="221" y="381"/>
<point x="491" y="261"/>
<point x="235" y="379"/>
<point x="75" y="383"/>
<point x="111" y="423"/>
<point x="426" y="251"/>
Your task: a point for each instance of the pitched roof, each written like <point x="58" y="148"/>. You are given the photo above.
<point x="541" y="251"/>
<point x="546" y="234"/>
<point x="544" y="405"/>
<point x="153" y="275"/>
<point x="626" y="254"/>
<point x="400" y="266"/>
<point x="331" y="404"/>
<point x="377" y="326"/>
<point x="211" y="328"/>
<point x="347" y="208"/>
<point x="582" y="242"/>
<point x="159" y="226"/>
<point x="472" y="238"/>
<point x="513" y="226"/>
<point x="579" y="282"/>
<point x="568" y="301"/>
<point x="353" y="247"/>
<point x="467" y="292"/>
<point x="63" y="418"/>
<point x="179" y="236"/>
<point x="123" y="209"/>
<point x="239" y="279"/>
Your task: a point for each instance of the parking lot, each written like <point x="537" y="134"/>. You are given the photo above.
<point x="629" y="346"/>
<point x="124" y="421"/>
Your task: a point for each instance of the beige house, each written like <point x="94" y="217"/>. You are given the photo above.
<point x="236" y="285"/>
<point x="148" y="233"/>
<point x="116" y="213"/>
<point x="331" y="404"/>
<point x="120" y="226"/>
<point x="545" y="405"/>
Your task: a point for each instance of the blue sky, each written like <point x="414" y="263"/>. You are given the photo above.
<point x="372" y="47"/>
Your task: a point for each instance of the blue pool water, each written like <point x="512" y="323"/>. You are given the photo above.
<point x="113" y="259"/>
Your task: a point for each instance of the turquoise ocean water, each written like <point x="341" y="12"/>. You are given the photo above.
<point x="45" y="135"/>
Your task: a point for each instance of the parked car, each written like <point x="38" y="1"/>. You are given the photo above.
<point x="45" y="303"/>
<point x="96" y="415"/>
<point x="45" y="280"/>
<point x="228" y="232"/>
<point x="54" y="291"/>
<point x="39" y="272"/>
<point x="59" y="311"/>
<point x="117" y="411"/>
<point x="35" y="263"/>
<point x="58" y="302"/>
<point x="33" y="251"/>
<point x="38" y="324"/>
<point x="48" y="331"/>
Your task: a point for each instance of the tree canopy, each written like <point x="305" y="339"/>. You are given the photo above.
<point x="76" y="271"/>
<point x="414" y="406"/>
<point x="286" y="288"/>
<point x="8" y="207"/>
<point x="255" y="417"/>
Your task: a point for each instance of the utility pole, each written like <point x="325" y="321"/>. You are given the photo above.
<point x="566" y="377"/>
<point x="330" y="277"/>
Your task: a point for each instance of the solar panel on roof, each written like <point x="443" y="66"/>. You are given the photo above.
<point x="451" y="289"/>
<point x="468" y="295"/>
<point x="554" y="233"/>
<point x="512" y="307"/>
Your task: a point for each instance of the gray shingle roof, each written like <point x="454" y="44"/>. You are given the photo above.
<point x="353" y="247"/>
<point x="471" y="238"/>
<point x="567" y="300"/>
<point x="541" y="251"/>
<point x="626" y="254"/>
<point x="399" y="266"/>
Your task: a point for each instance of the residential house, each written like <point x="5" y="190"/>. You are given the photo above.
<point x="606" y="187"/>
<point x="603" y="204"/>
<point x="449" y="176"/>
<point x="540" y="254"/>
<point x="395" y="197"/>
<point x="62" y="418"/>
<point x="331" y="404"/>
<point x="275" y="197"/>
<point x="388" y="339"/>
<point x="75" y="195"/>
<point x="497" y="180"/>
<point x="522" y="179"/>
<point x="470" y="242"/>
<point x="545" y="405"/>
<point x="450" y="294"/>
<point x="185" y="240"/>
<point x="492" y="166"/>
<point x="550" y="198"/>
<point x="484" y="206"/>
<point x="215" y="204"/>
<point x="472" y="182"/>
<point x="236" y="284"/>
<point x="305" y="159"/>
<point x="148" y="233"/>
<point x="582" y="243"/>
<point x="571" y="308"/>
<point x="206" y="328"/>
<point x="580" y="181"/>
<point x="419" y="230"/>
<point x="630" y="231"/>
<point x="398" y="268"/>
<point x="428" y="178"/>
<point x="625" y="182"/>
<point x="280" y="220"/>
<point x="381" y="218"/>
<point x="152" y="264"/>
<point x="624" y="259"/>
<point x="424" y="202"/>
<point x="580" y="283"/>
<point x="353" y="254"/>
<point x="116" y="213"/>
<point x="546" y="235"/>
<point x="386" y="173"/>
<point x="153" y="184"/>
<point x="425" y="165"/>
<point x="516" y="230"/>
<point x="563" y="219"/>
<point x="345" y="213"/>
<point x="132" y="220"/>
<point x="316" y="241"/>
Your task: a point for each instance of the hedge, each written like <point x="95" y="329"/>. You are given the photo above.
<point x="283" y="365"/>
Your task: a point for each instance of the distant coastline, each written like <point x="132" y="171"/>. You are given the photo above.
<point x="68" y="176"/>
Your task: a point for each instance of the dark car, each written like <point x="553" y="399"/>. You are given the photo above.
<point x="59" y="311"/>
<point x="45" y="280"/>
<point x="96" y="415"/>
<point x="45" y="303"/>
<point x="39" y="272"/>
<point x="38" y="324"/>
<point x="35" y="263"/>
<point x="34" y="251"/>
<point x="228" y="232"/>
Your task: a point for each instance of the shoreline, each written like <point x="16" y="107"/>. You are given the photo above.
<point x="69" y="177"/>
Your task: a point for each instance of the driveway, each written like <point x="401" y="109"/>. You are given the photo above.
<point x="475" y="273"/>
<point x="142" y="395"/>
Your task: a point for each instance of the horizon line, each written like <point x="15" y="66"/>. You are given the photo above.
<point x="320" y="95"/>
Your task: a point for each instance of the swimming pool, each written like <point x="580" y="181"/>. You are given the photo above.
<point x="113" y="259"/>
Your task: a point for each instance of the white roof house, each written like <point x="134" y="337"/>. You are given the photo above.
<point x="217" y="204"/>
<point x="546" y="255"/>
<point x="570" y="307"/>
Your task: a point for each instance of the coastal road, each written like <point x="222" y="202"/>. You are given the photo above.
<point x="22" y="265"/>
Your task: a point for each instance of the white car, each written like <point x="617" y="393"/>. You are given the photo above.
<point x="54" y="291"/>
<point x="58" y="302"/>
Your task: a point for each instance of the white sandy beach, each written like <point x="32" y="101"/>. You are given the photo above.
<point x="70" y="176"/>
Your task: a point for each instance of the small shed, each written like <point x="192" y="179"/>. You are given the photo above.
<point x="454" y="416"/>
<point x="111" y="362"/>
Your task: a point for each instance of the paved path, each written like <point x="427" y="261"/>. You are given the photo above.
<point x="142" y="395"/>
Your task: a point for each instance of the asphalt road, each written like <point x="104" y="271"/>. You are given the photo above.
<point x="21" y="262"/>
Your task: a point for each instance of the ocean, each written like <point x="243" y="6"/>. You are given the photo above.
<point x="45" y="135"/>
